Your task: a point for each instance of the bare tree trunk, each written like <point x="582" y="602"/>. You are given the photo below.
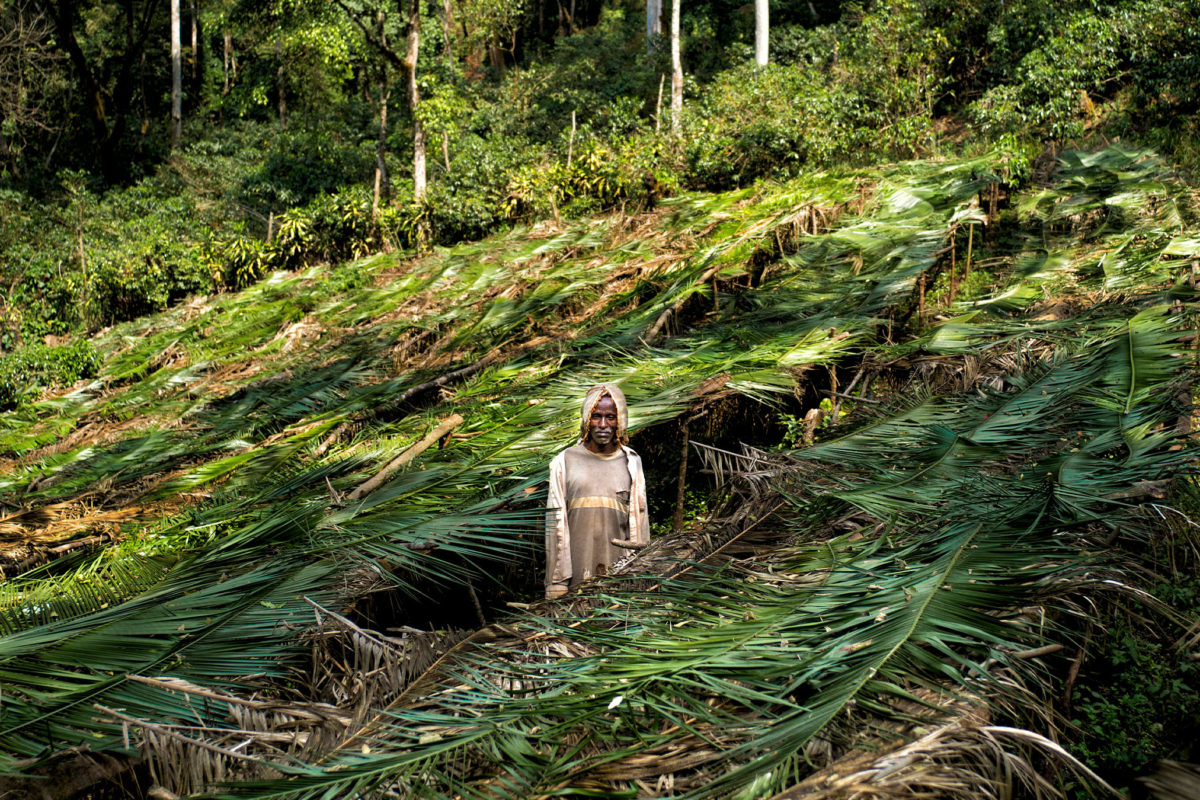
<point x="762" y="28"/>
<point x="571" y="141"/>
<point x="676" y="72"/>
<point x="279" y="73"/>
<point x="448" y="29"/>
<point x="381" y="175"/>
<point x="176" y="78"/>
<point x="14" y="164"/>
<point x="653" y="23"/>
<point x="228" y="63"/>
<point x="195" y="39"/>
<point x="414" y="99"/>
<point x="658" y="106"/>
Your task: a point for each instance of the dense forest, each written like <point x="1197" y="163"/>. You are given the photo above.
<point x="302" y="297"/>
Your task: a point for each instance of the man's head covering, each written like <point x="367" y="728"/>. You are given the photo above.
<point x="593" y="397"/>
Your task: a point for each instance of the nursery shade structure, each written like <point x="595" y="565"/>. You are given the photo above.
<point x="233" y="431"/>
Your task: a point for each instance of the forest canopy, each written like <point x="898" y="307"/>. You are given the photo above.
<point x="296" y="116"/>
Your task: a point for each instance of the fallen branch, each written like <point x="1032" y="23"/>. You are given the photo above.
<point x="444" y="427"/>
<point x="1039" y="651"/>
<point x="166" y="731"/>
<point x="675" y="307"/>
<point x="1154" y="489"/>
<point x="455" y="376"/>
<point x="64" y="548"/>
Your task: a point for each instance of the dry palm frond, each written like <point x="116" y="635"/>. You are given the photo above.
<point x="964" y="758"/>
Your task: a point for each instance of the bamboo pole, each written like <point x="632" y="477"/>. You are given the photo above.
<point x="970" y="244"/>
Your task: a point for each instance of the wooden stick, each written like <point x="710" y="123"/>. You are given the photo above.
<point x="1039" y="651"/>
<point x="63" y="548"/>
<point x="953" y="264"/>
<point x="921" y="301"/>
<point x="445" y="426"/>
<point x="680" y="495"/>
<point x="571" y="141"/>
<point x="331" y="439"/>
<point x="970" y="243"/>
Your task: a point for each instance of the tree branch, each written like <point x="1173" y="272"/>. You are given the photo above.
<point x="373" y="40"/>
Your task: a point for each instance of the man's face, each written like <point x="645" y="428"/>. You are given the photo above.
<point x="602" y="427"/>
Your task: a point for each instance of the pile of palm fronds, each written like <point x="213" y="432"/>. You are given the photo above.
<point x="189" y="531"/>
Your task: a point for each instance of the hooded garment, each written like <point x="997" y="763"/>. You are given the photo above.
<point x="594" y="498"/>
<point x="593" y="396"/>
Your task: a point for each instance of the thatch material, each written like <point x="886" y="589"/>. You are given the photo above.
<point x="843" y="578"/>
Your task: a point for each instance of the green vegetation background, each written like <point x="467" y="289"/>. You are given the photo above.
<point x="94" y="232"/>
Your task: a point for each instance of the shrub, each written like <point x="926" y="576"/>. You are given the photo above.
<point x="24" y="373"/>
<point x="300" y="165"/>
<point x="1140" y="700"/>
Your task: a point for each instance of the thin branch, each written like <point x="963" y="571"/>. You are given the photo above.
<point x="674" y="309"/>
<point x="373" y="40"/>
<point x="444" y="427"/>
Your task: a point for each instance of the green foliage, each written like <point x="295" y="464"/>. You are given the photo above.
<point x="1139" y="699"/>
<point x="301" y="165"/>
<point x="851" y="84"/>
<point x="597" y="177"/>
<point x="1054" y="64"/>
<point x="979" y="490"/>
<point x="26" y="372"/>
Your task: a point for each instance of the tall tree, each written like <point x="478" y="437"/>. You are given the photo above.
<point x="762" y="28"/>
<point x="280" y="80"/>
<point x="228" y="62"/>
<point x="676" y="71"/>
<point x="372" y="27"/>
<point x="196" y="83"/>
<point x="28" y="67"/>
<point x="382" y="186"/>
<point x="414" y="97"/>
<point x="653" y="23"/>
<point x="106" y="74"/>
<point x="176" y="78"/>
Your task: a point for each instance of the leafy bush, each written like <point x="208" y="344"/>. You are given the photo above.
<point x="24" y="373"/>
<point x="1140" y="700"/>
<point x="466" y="202"/>
<point x="1053" y="64"/>
<point x="332" y="227"/>
<point x="300" y="165"/>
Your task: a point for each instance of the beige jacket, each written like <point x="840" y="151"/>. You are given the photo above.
<point x="556" y="505"/>
<point x="558" y="536"/>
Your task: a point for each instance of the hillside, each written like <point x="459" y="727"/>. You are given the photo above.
<point x="965" y="391"/>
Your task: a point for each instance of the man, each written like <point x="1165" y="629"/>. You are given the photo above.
<point x="597" y="504"/>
